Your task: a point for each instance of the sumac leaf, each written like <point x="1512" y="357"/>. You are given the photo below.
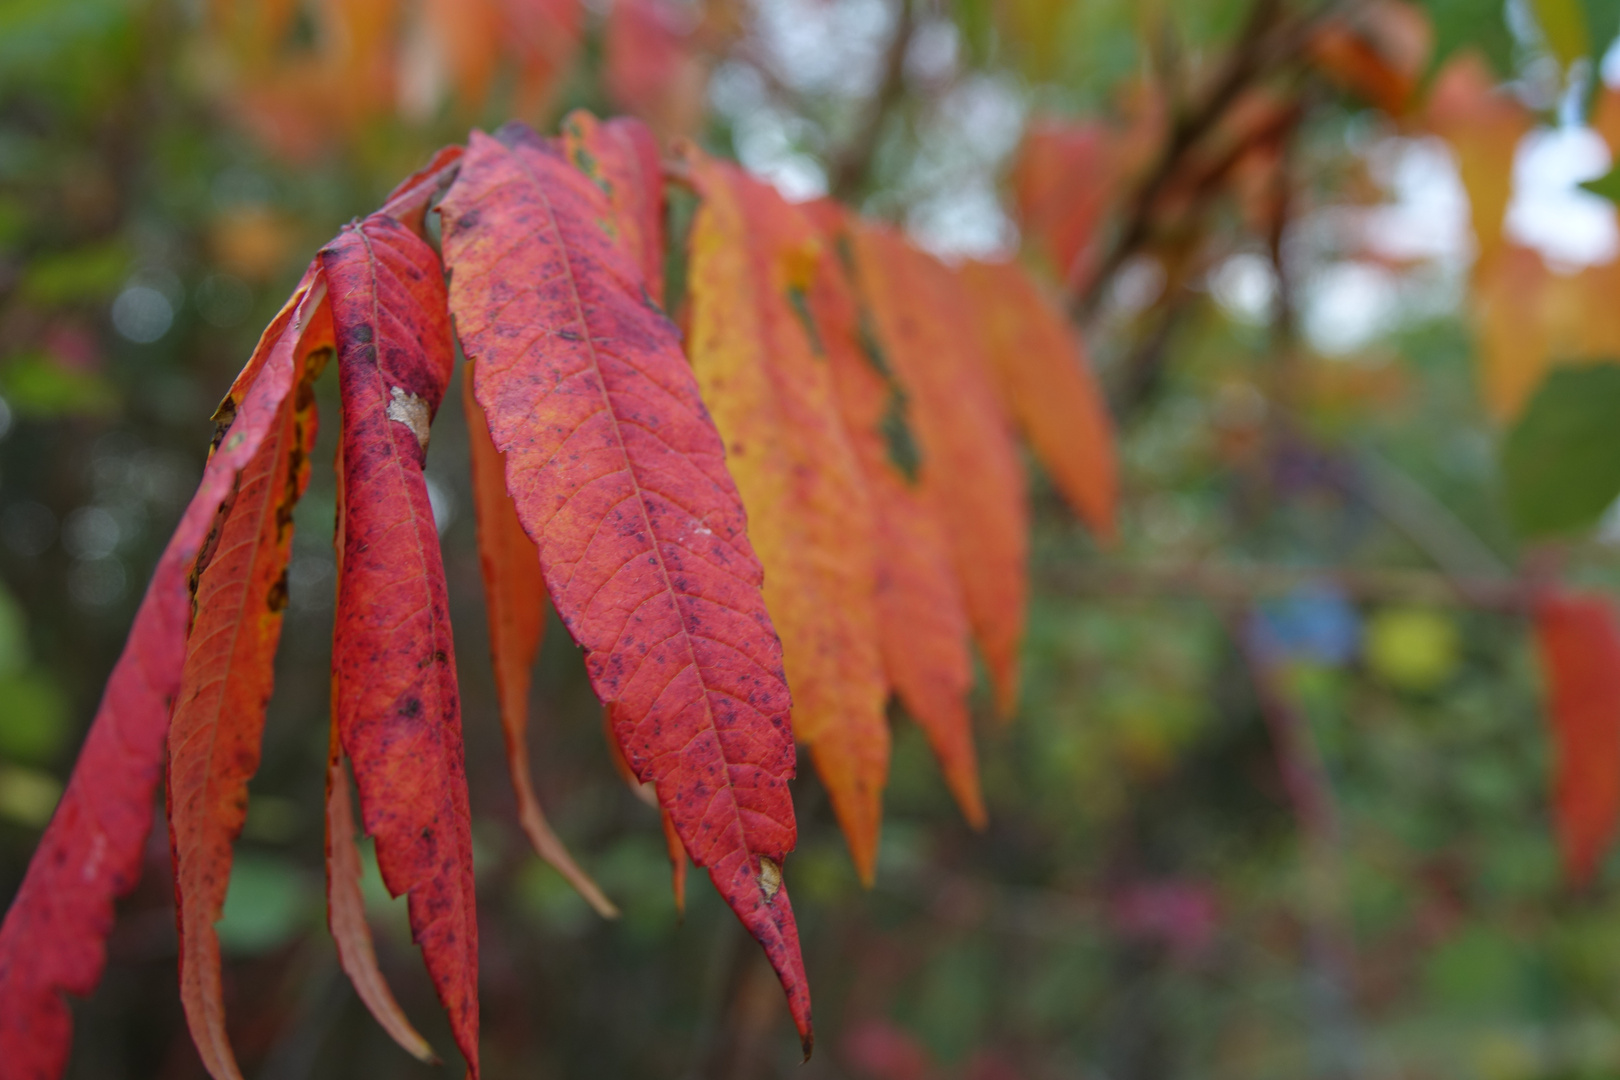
<point x="396" y="701"/>
<point x="970" y="468"/>
<point x="762" y="368"/>
<point x="239" y="594"/>
<point x="515" y="598"/>
<point x="619" y="477"/>
<point x="1580" y="654"/>
<point x="923" y="626"/>
<point x="346" y="911"/>
<point x="53" y="940"/>
<point x="621" y="156"/>
<point x="1047" y="385"/>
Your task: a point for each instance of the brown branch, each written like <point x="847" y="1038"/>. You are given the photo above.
<point x="1229" y="583"/>
<point x="851" y="167"/>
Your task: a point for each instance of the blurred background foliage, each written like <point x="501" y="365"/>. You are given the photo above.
<point x="1277" y="802"/>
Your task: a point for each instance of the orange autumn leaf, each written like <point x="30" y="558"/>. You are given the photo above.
<point x="922" y="618"/>
<point x="346" y="911"/>
<point x="239" y="591"/>
<point x="761" y="366"/>
<point x="1048" y="386"/>
<point x="652" y="67"/>
<point x="395" y="694"/>
<point x="1483" y="126"/>
<point x="515" y="597"/>
<point x="969" y="463"/>
<point x="1063" y="180"/>
<point x="1580" y="653"/>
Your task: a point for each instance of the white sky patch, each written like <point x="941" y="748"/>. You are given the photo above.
<point x="1428" y="215"/>
<point x="768" y="144"/>
<point x="817" y="46"/>
<point x="1347" y="305"/>
<point x="1245" y="286"/>
<point x="1571" y="228"/>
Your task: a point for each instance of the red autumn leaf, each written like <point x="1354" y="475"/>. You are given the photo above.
<point x="54" y="937"/>
<point x="619" y="476"/>
<point x="1580" y="652"/>
<point x="1063" y="181"/>
<point x="408" y="202"/>
<point x="239" y="592"/>
<point x="544" y="36"/>
<point x="393" y="659"/>
<point x="762" y="369"/>
<point x="651" y="64"/>
<point x="923" y="627"/>
<point x="621" y="155"/>
<point x="515" y="597"/>
<point x="969" y="463"/>
<point x="879" y="1050"/>
<point x="346" y="911"/>
<point x="1047" y="384"/>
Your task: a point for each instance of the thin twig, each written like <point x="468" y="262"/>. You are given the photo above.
<point x="1225" y="583"/>
<point x="851" y="167"/>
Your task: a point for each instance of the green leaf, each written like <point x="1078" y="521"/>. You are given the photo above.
<point x="1563" y="24"/>
<point x="1607" y="185"/>
<point x="82" y="274"/>
<point x="1561" y="462"/>
<point x="36" y="385"/>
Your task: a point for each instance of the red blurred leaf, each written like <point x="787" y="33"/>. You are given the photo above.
<point x="923" y="627"/>
<point x="395" y="696"/>
<point x="515" y="597"/>
<point x="1580" y="652"/>
<point x="53" y="940"/>
<point x="652" y="67"/>
<point x="969" y="468"/>
<point x="762" y="369"/>
<point x="1047" y="384"/>
<point x="621" y="155"/>
<point x="619" y="475"/>
<point x="879" y="1050"/>
<point x="1063" y="180"/>
<point x="239" y="590"/>
<point x="1378" y="52"/>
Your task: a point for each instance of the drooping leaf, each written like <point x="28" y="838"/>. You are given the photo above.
<point x="621" y="155"/>
<point x="239" y="591"/>
<point x="1580" y="653"/>
<point x="53" y="939"/>
<point x="619" y="476"/>
<point x="408" y="202"/>
<point x="393" y="659"/>
<point x="923" y="626"/>
<point x="1047" y="384"/>
<point x="651" y="64"/>
<point x="1063" y="180"/>
<point x="1561" y="461"/>
<point x="346" y="911"/>
<point x="762" y="369"/>
<point x="970" y="469"/>
<point x="677" y="860"/>
<point x="515" y="598"/>
<point x="1483" y="126"/>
